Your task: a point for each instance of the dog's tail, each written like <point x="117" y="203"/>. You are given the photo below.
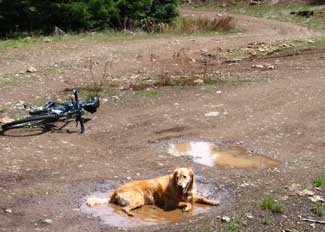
<point x="93" y="201"/>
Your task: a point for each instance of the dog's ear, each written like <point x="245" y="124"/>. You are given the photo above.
<point x="192" y="178"/>
<point x="175" y="174"/>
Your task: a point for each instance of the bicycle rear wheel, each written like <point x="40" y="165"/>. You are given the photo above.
<point x="30" y="122"/>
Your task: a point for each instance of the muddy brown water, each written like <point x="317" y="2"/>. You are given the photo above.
<point x="212" y="154"/>
<point x="148" y="215"/>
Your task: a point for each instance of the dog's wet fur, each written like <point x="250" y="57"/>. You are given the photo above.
<point x="177" y="190"/>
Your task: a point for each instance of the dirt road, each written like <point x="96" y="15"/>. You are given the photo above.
<point x="277" y="112"/>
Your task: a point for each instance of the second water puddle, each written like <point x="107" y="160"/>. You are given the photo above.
<point x="211" y="154"/>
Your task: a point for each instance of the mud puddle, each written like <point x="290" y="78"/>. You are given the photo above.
<point x="212" y="154"/>
<point x="148" y="215"/>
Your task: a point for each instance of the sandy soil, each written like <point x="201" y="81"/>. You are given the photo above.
<point x="277" y="112"/>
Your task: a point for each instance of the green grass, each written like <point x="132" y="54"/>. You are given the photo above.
<point x="151" y="92"/>
<point x="268" y="222"/>
<point x="318" y="209"/>
<point x="233" y="227"/>
<point x="270" y="204"/>
<point x="319" y="182"/>
<point x="279" y="12"/>
<point x="148" y="92"/>
<point x="104" y="36"/>
<point x="3" y="109"/>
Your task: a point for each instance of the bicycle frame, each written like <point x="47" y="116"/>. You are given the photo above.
<point x="66" y="110"/>
<point x="52" y="112"/>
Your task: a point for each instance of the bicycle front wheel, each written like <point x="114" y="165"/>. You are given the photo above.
<point x="30" y="122"/>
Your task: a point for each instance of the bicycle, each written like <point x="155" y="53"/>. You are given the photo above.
<point x="53" y="112"/>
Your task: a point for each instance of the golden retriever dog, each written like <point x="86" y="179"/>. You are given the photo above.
<point x="168" y="192"/>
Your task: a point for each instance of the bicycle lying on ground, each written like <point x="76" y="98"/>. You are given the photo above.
<point x="53" y="112"/>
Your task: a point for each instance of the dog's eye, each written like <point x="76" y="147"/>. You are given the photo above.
<point x="184" y="177"/>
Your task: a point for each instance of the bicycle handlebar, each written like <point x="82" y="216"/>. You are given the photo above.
<point x="78" y="108"/>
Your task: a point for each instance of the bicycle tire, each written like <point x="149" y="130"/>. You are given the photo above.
<point x="30" y="122"/>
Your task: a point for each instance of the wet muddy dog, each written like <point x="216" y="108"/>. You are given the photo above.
<point x="169" y="192"/>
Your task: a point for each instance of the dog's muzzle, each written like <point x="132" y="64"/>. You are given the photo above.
<point x="182" y="190"/>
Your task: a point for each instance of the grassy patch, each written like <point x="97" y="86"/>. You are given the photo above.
<point x="224" y="26"/>
<point x="165" y="80"/>
<point x="3" y="110"/>
<point x="319" y="182"/>
<point x="303" y="44"/>
<point x="318" y="209"/>
<point x="268" y="222"/>
<point x="233" y="227"/>
<point x="270" y="204"/>
<point x="281" y="12"/>
<point x="151" y="92"/>
<point x="148" y="92"/>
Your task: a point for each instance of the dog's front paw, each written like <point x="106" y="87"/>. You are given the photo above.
<point x="187" y="208"/>
<point x="215" y="203"/>
<point x="91" y="202"/>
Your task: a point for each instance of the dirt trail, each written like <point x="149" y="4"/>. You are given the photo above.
<point x="65" y="63"/>
<point x="276" y="112"/>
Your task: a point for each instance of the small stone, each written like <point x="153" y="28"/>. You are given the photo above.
<point x="128" y="178"/>
<point x="225" y="219"/>
<point x="293" y="187"/>
<point x="244" y="223"/>
<point x="316" y="198"/>
<point x="8" y="210"/>
<point x="58" y="31"/>
<point x="212" y="114"/>
<point x="313" y="225"/>
<point x="284" y="198"/>
<point x="249" y="216"/>
<point x="306" y="192"/>
<point x="257" y="66"/>
<point x="219" y="92"/>
<point x="198" y="81"/>
<point x="31" y="69"/>
<point x="48" y="221"/>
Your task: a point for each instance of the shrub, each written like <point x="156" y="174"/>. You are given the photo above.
<point x="191" y="25"/>
<point x="80" y="15"/>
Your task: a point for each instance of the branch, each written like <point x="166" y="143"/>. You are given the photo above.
<point x="312" y="220"/>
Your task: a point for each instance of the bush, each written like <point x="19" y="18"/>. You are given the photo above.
<point x="82" y="15"/>
<point x="192" y="25"/>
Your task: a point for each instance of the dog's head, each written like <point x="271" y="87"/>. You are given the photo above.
<point x="184" y="180"/>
